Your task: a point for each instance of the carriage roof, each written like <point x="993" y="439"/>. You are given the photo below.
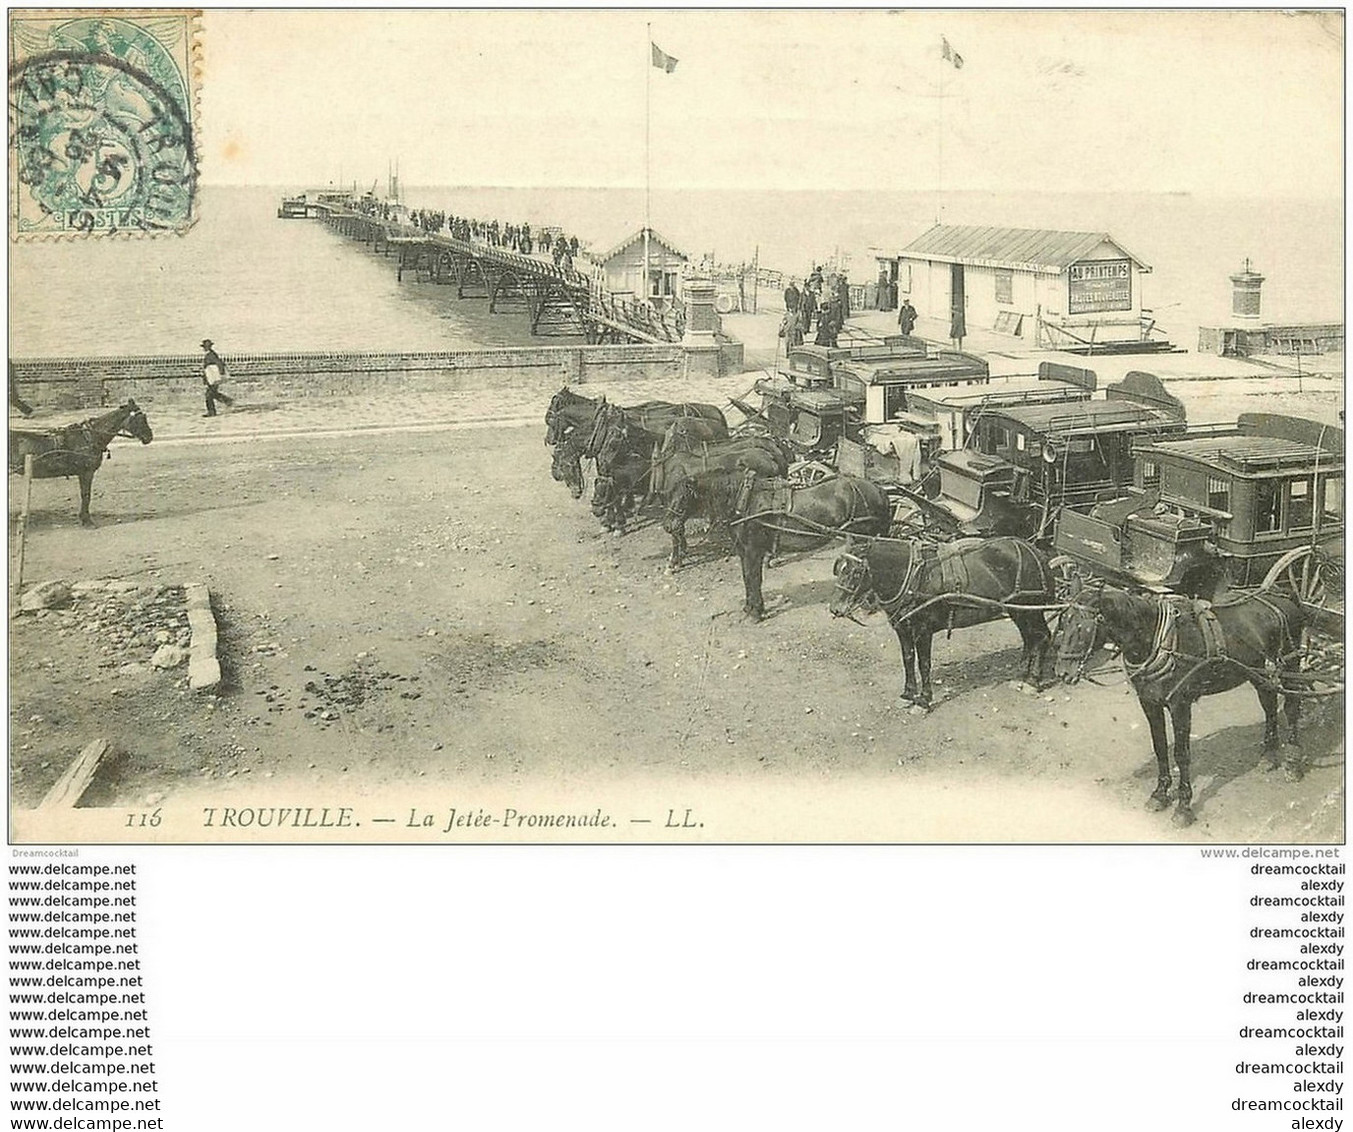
<point x="1254" y="449"/>
<point x="1022" y="388"/>
<point x="948" y="367"/>
<point x="1062" y="418"/>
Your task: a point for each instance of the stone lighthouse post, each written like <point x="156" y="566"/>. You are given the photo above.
<point x="1245" y="288"/>
<point x="700" y="345"/>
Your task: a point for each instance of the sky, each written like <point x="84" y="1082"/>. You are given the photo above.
<point x="1226" y="103"/>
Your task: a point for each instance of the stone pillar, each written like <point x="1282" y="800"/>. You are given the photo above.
<point x="1246" y="286"/>
<point x="700" y="344"/>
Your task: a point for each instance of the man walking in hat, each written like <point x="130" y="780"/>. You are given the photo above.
<point x="213" y="373"/>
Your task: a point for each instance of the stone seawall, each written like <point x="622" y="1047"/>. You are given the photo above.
<point x="78" y="383"/>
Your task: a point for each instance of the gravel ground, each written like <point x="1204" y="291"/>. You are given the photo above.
<point x="417" y="620"/>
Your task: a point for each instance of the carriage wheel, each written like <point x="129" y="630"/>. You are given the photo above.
<point x="807" y="473"/>
<point x="908" y="522"/>
<point x="1302" y="573"/>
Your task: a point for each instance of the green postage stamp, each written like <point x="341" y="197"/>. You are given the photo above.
<point x="103" y="121"/>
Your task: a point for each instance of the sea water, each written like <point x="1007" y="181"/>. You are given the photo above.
<point x="253" y="282"/>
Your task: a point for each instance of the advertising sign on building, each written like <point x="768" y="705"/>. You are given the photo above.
<point x="1100" y="285"/>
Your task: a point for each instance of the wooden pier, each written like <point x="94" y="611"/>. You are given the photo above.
<point x="557" y="300"/>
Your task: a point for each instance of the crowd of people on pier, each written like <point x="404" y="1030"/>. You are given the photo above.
<point x="823" y="301"/>
<point x="519" y="238"/>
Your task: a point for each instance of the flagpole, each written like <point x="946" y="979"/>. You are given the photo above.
<point x="648" y="151"/>
<point x="939" y="186"/>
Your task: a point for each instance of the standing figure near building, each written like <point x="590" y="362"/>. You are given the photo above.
<point x="792" y="297"/>
<point x="906" y="317"/>
<point x="829" y="322"/>
<point x="791" y="331"/>
<point x="213" y="373"/>
<point x="807" y="308"/>
<point x="958" y="329"/>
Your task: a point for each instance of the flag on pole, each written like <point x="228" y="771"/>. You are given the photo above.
<point x="662" y="60"/>
<point x="947" y="53"/>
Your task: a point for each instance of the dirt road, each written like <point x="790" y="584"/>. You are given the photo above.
<point x="427" y="615"/>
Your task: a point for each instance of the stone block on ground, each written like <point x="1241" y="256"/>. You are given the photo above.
<point x="45" y="595"/>
<point x="204" y="673"/>
<point x="168" y="656"/>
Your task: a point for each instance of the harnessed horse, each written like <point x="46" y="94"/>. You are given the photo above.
<point x="1175" y="653"/>
<point x="685" y="493"/>
<point x="76" y="449"/>
<point x="968" y="582"/>
<point x="769" y="515"/>
<point x="625" y="444"/>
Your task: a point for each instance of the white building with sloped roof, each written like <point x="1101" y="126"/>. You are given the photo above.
<point x="621" y="268"/>
<point x="1054" y="288"/>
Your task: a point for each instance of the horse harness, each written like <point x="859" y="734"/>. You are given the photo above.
<point x="1165" y="661"/>
<point x="94" y="447"/>
<point x="948" y="564"/>
<point x="777" y="500"/>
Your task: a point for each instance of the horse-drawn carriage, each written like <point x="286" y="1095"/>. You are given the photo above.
<point x="887" y="410"/>
<point x="823" y="394"/>
<point x="1231" y="506"/>
<point x="1023" y="464"/>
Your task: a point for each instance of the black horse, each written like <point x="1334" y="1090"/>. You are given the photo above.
<point x="568" y="410"/>
<point x="688" y="482"/>
<point x="768" y="515"/>
<point x="566" y="463"/>
<point x="926" y="589"/>
<point x="577" y="427"/>
<point x="626" y="444"/>
<point x="76" y="449"/>
<point x="1176" y="651"/>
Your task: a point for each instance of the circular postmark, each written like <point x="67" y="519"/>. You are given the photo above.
<point x="99" y="146"/>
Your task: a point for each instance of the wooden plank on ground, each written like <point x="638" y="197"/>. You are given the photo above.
<point x="66" y="793"/>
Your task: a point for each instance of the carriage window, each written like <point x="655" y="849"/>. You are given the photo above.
<point x="1002" y="438"/>
<point x="1268" y="506"/>
<point x="1019" y="442"/>
<point x="1219" y="494"/>
<point x="1332" y="500"/>
<point x="1078" y="447"/>
<point x="1150" y="473"/>
<point x="1300" y="505"/>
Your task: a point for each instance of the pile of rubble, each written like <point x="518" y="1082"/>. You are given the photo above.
<point x="136" y="625"/>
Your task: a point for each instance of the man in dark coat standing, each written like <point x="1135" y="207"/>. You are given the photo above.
<point x="906" y="317"/>
<point x="807" y="308"/>
<point x="213" y="373"/>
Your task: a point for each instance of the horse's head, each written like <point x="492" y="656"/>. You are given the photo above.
<point x="606" y="420"/>
<point x="603" y="493"/>
<point x="680" y="499"/>
<point x="554" y="419"/>
<point x="610" y="441"/>
<point x="854" y="585"/>
<point x="137" y="426"/>
<point x="567" y="466"/>
<point x="1080" y="631"/>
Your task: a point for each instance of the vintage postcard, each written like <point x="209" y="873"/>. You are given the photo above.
<point x="676" y="427"/>
<point x="103" y="121"/>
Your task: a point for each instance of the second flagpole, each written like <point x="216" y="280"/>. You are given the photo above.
<point x="648" y="151"/>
